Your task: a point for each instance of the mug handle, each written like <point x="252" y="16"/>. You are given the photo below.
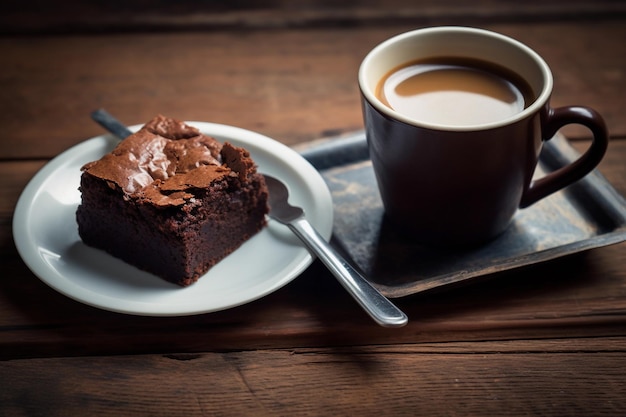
<point x="556" y="119"/>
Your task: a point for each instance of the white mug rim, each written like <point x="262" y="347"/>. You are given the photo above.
<point x="541" y="98"/>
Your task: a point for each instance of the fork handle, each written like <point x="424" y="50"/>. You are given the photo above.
<point x="383" y="311"/>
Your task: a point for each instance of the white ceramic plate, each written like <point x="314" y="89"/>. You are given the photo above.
<point x="46" y="236"/>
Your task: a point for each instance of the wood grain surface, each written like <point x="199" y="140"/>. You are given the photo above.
<point x="293" y="86"/>
<point x="440" y="380"/>
<point x="548" y="339"/>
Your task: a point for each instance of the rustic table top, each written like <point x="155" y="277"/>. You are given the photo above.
<point x="546" y="339"/>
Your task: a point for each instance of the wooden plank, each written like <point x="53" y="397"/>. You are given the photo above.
<point x="583" y="296"/>
<point x="294" y="86"/>
<point x="72" y="16"/>
<point x="367" y="381"/>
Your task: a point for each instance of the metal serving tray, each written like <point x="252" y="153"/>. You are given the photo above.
<point x="585" y="215"/>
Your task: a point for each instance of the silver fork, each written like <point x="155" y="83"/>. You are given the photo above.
<point x="383" y="311"/>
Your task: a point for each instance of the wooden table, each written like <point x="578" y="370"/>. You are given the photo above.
<point x="549" y="339"/>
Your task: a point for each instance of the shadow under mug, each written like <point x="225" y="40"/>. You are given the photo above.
<point x="462" y="185"/>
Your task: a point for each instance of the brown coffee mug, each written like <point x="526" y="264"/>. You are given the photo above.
<point x="455" y="185"/>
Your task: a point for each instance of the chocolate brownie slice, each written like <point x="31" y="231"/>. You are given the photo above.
<point x="171" y="200"/>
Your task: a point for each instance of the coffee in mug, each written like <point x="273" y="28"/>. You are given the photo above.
<point x="454" y="92"/>
<point x="455" y="119"/>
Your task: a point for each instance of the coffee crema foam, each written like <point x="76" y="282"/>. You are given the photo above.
<point x="454" y="92"/>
